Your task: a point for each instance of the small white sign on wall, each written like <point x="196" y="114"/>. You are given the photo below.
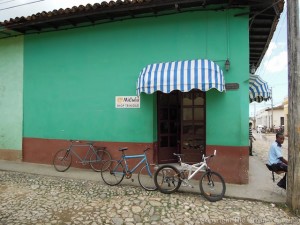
<point x="127" y="102"/>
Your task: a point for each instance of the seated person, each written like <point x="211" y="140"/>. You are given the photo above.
<point x="276" y="160"/>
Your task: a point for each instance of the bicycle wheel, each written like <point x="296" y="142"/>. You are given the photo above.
<point x="167" y="179"/>
<point x="62" y="160"/>
<point x="114" y="173"/>
<point x="146" y="180"/>
<point x="212" y="186"/>
<point x="99" y="159"/>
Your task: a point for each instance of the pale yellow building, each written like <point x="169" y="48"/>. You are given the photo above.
<point x="271" y="118"/>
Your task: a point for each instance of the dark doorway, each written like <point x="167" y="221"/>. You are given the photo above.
<point x="181" y="126"/>
<point x="281" y="121"/>
<point x="168" y="126"/>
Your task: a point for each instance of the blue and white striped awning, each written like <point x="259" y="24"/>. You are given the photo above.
<point x="258" y="89"/>
<point x="184" y="76"/>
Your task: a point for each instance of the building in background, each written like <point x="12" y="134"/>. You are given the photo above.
<point x="135" y="74"/>
<point x="273" y="120"/>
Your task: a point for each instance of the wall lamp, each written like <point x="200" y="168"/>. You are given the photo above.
<point x="227" y="64"/>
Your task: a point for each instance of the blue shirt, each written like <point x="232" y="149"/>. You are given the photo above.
<point x="275" y="153"/>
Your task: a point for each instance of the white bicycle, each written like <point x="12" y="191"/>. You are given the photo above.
<point x="168" y="178"/>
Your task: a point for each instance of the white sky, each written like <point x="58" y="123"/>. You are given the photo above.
<point x="13" y="8"/>
<point x="273" y="68"/>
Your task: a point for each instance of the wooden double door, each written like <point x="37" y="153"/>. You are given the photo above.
<point x="181" y="125"/>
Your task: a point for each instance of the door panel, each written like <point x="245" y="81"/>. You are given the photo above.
<point x="193" y="126"/>
<point x="168" y="126"/>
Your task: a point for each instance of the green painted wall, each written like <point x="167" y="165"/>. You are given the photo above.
<point x="228" y="115"/>
<point x="11" y="93"/>
<point x="71" y="77"/>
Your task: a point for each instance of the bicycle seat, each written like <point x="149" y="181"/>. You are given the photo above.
<point x="123" y="149"/>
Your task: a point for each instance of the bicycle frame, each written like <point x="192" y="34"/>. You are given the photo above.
<point x="195" y="168"/>
<point x="130" y="171"/>
<point x="83" y="159"/>
<point x="169" y="178"/>
<point x="144" y="159"/>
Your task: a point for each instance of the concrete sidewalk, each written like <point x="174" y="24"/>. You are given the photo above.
<point x="260" y="187"/>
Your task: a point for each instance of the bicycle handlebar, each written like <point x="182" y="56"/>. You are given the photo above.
<point x="83" y="142"/>
<point x="146" y="149"/>
<point x="125" y="148"/>
<point x="203" y="156"/>
<point x="206" y="157"/>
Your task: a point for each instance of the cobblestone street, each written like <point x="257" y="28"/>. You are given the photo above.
<point x="36" y="199"/>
